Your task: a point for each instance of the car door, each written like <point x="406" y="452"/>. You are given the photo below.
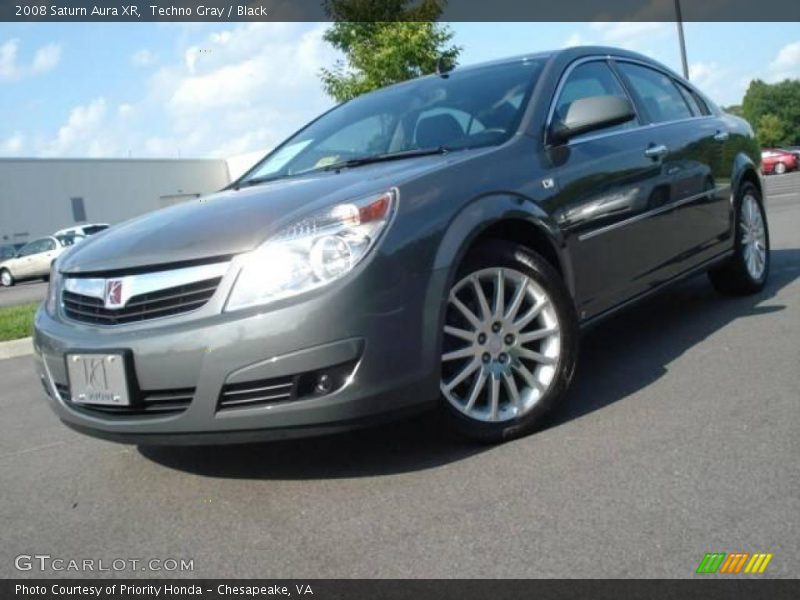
<point x="22" y="266"/>
<point x="41" y="260"/>
<point x="614" y="198"/>
<point x="692" y="160"/>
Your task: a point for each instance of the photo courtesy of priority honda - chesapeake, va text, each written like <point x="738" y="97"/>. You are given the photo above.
<point x="441" y="242"/>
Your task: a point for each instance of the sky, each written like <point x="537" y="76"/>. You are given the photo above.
<point x="221" y="90"/>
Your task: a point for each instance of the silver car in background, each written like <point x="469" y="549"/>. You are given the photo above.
<point x="34" y="259"/>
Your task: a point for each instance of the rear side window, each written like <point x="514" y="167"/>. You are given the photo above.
<point x="696" y="104"/>
<point x="585" y="81"/>
<point x="658" y="93"/>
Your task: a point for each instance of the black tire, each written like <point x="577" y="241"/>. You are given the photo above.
<point x="520" y="259"/>
<point x="733" y="277"/>
<point x="6" y="278"/>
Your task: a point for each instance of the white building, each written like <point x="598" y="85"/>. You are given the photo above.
<point x="40" y="195"/>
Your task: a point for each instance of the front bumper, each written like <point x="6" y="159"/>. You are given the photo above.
<point x="387" y="339"/>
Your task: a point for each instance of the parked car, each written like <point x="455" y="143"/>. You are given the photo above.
<point x="778" y="161"/>
<point x="8" y="251"/>
<point x="34" y="259"/>
<point x="439" y="242"/>
<point x="84" y="230"/>
<point x="794" y="150"/>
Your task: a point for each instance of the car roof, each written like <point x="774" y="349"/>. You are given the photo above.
<point x="563" y="57"/>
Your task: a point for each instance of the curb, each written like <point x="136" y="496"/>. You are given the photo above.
<point x="16" y="348"/>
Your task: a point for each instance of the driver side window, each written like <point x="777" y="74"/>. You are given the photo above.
<point x="585" y="81"/>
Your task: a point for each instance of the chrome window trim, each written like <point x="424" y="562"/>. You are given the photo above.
<point x="144" y="283"/>
<point x="652" y="213"/>
<point x="638" y="128"/>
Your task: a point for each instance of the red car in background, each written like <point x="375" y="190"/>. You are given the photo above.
<point x="777" y="161"/>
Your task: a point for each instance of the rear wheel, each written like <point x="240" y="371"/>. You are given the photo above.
<point x="6" y="278"/>
<point x="747" y="270"/>
<point x="780" y="168"/>
<point x="509" y="344"/>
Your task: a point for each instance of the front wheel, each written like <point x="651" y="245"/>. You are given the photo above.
<point x="509" y="345"/>
<point x="6" y="278"/>
<point x="780" y="168"/>
<point x="747" y="270"/>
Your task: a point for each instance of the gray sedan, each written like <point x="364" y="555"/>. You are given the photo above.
<point x="440" y="242"/>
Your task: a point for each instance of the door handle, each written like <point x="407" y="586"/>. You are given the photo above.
<point x="721" y="136"/>
<point x="656" y="151"/>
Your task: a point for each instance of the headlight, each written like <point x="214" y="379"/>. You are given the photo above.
<point x="53" y="289"/>
<point x="312" y="252"/>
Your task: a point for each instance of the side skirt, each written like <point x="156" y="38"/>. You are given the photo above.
<point x="701" y="268"/>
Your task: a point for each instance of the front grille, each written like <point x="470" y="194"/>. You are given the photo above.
<point x="256" y="393"/>
<point x="163" y="303"/>
<point x="154" y="402"/>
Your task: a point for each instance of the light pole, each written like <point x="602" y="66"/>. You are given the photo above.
<point x="682" y="41"/>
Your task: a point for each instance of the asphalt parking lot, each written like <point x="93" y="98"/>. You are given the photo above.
<point x="23" y="293"/>
<point x="680" y="437"/>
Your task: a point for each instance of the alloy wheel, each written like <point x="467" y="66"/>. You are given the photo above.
<point x="5" y="278"/>
<point x="780" y="168"/>
<point x="754" y="237"/>
<point x="502" y="345"/>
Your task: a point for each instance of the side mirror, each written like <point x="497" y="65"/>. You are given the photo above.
<point x="590" y="114"/>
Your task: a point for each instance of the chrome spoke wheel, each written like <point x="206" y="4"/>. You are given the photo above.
<point x="754" y="237"/>
<point x="502" y="345"/>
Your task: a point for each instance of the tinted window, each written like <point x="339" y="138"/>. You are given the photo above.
<point x="34" y="247"/>
<point x="587" y="80"/>
<point x="661" y="99"/>
<point x="7" y="252"/>
<point x="68" y="239"/>
<point x="92" y="229"/>
<point x="466" y="109"/>
<point x="690" y="99"/>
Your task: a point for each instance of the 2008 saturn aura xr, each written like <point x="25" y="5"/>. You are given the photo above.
<point x="440" y="240"/>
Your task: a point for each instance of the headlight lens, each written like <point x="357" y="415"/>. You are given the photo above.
<point x="311" y="252"/>
<point x="53" y="289"/>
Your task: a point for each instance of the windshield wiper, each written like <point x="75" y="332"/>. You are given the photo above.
<point x="349" y="163"/>
<point x="375" y="158"/>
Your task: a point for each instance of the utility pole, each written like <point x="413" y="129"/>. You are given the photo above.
<point x="681" y="39"/>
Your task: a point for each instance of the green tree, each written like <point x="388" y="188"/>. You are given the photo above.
<point x="384" y="42"/>
<point x="781" y="100"/>
<point x="770" y="131"/>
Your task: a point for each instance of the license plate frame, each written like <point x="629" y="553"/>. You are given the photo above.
<point x="99" y="378"/>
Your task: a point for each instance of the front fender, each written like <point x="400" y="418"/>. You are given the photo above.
<point x="474" y="219"/>
<point x="484" y="212"/>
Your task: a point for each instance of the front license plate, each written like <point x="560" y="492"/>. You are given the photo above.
<point x="98" y="379"/>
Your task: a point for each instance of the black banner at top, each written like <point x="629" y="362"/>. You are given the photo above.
<point x="453" y="10"/>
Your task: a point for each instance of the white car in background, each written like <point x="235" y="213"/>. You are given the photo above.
<point x="34" y="259"/>
<point x="83" y="230"/>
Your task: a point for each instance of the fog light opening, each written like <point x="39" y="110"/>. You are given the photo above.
<point x="324" y="384"/>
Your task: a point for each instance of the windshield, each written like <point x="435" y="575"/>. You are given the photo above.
<point x="468" y="109"/>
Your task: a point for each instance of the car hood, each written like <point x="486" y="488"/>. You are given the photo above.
<point x="231" y="222"/>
